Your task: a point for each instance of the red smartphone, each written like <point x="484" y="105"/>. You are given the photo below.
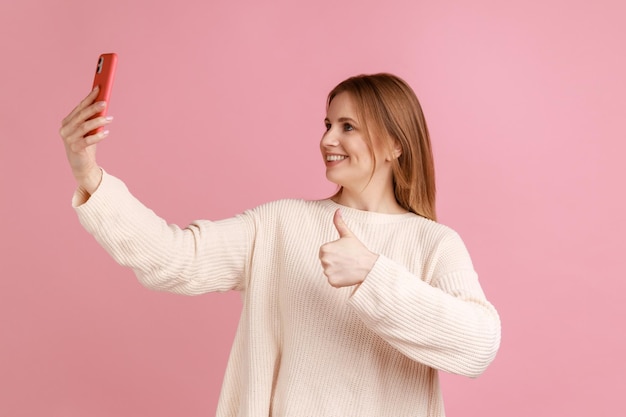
<point x="105" y="73"/>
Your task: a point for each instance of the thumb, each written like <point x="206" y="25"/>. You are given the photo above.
<point x="340" y="225"/>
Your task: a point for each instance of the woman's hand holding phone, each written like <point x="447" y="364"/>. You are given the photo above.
<point x="83" y="128"/>
<point x="79" y="145"/>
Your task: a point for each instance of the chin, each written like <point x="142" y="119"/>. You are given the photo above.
<point x="334" y="179"/>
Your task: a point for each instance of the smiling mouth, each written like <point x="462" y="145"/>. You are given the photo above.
<point x="331" y="158"/>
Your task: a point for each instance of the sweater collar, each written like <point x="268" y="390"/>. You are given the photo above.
<point x="363" y="216"/>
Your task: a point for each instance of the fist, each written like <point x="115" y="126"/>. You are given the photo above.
<point x="345" y="261"/>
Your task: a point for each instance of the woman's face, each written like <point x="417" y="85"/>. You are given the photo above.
<point x="343" y="146"/>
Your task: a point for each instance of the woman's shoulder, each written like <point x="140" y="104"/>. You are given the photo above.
<point x="289" y="214"/>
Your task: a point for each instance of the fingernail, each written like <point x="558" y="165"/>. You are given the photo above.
<point x="101" y="103"/>
<point x="108" y="119"/>
<point x="104" y="133"/>
<point x="95" y="88"/>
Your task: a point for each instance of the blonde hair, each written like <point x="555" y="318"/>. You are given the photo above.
<point x="388" y="108"/>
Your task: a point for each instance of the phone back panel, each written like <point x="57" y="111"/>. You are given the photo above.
<point x="103" y="77"/>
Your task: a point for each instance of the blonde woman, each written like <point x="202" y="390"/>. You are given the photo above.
<point x="351" y="304"/>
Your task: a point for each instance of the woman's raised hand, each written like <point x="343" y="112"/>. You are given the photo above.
<point x="76" y="132"/>
<point x="345" y="261"/>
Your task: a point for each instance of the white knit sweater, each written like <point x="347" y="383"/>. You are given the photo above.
<point x="304" y="348"/>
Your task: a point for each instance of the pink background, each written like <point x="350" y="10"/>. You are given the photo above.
<point x="219" y="107"/>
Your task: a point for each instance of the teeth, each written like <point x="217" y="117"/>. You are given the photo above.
<point x="335" y="157"/>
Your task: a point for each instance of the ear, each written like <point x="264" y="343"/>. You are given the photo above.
<point x="396" y="151"/>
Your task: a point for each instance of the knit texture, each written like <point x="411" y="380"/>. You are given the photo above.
<point x="304" y="348"/>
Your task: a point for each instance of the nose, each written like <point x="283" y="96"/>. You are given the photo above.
<point x="329" y="139"/>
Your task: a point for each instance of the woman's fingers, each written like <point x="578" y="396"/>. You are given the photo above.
<point x="72" y="133"/>
<point x="81" y="117"/>
<point x="89" y="126"/>
<point x="82" y="120"/>
<point x="79" y="131"/>
<point x="83" y="104"/>
<point x="83" y="137"/>
<point x="82" y="143"/>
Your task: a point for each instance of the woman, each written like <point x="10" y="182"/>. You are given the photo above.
<point x="350" y="304"/>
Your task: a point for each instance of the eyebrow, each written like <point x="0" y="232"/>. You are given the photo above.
<point x="342" y="120"/>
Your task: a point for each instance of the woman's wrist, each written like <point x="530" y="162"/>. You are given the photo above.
<point x="90" y="181"/>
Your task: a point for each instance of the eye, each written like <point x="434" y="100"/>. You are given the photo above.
<point x="347" y="127"/>
<point x="327" y="126"/>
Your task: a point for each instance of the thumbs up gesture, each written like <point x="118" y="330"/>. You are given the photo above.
<point x="346" y="261"/>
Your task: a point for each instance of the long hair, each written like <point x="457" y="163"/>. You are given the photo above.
<point x="389" y="109"/>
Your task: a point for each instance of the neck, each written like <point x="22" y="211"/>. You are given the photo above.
<point x="369" y="200"/>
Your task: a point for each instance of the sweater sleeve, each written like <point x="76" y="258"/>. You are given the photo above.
<point x="203" y="257"/>
<point x="447" y="324"/>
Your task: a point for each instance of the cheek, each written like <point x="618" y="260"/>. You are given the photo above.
<point x="362" y="152"/>
<point x="382" y="152"/>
